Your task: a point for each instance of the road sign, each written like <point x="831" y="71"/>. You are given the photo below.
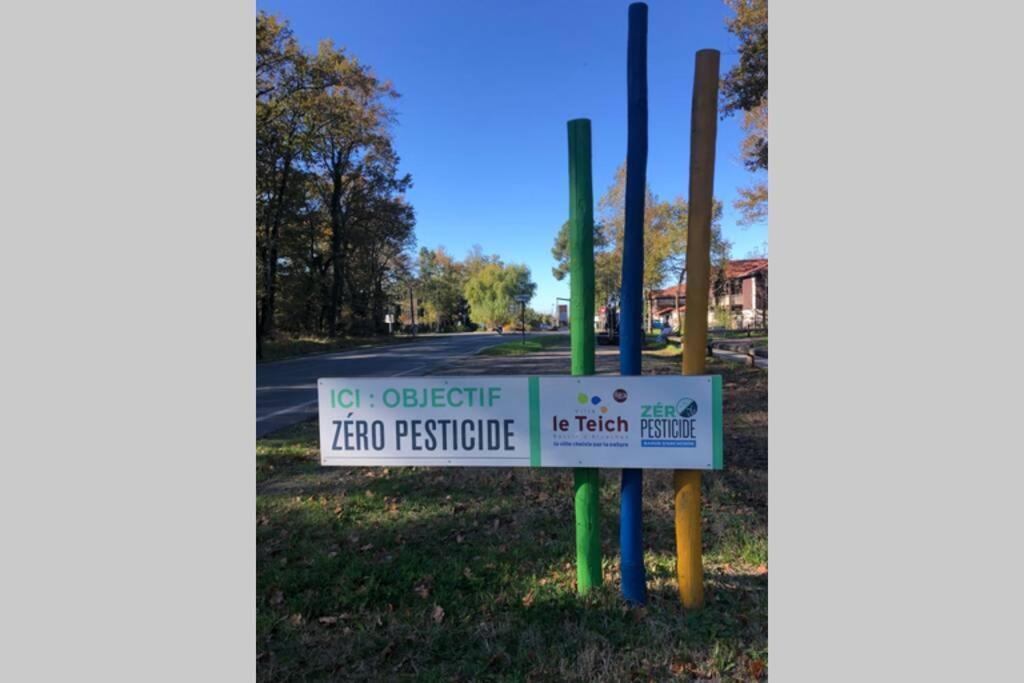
<point x="641" y="422"/>
<point x="522" y="298"/>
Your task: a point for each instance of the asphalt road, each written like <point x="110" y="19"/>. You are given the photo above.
<point x="286" y="390"/>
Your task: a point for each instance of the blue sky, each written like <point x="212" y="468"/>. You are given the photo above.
<point x="487" y="89"/>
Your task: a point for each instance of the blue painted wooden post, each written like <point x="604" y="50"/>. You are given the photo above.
<point x="634" y="580"/>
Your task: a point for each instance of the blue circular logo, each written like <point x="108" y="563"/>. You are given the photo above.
<point x="686" y="407"/>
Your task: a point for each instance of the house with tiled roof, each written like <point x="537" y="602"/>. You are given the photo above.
<point x="739" y="294"/>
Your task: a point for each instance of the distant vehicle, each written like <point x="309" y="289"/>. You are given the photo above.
<point x="543" y="327"/>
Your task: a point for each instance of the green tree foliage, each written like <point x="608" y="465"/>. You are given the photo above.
<point x="492" y="289"/>
<point x="439" y="289"/>
<point x="664" y="241"/>
<point x="745" y="89"/>
<point x="333" y="227"/>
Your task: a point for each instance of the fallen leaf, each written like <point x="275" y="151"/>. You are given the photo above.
<point x="277" y="598"/>
<point x="459" y="538"/>
<point x="438" y="614"/>
<point x="467" y="572"/>
<point x="756" y="668"/>
<point x="528" y="599"/>
<point x="328" y="621"/>
<point x="421" y="591"/>
<point x="761" y="569"/>
<point x="368" y="546"/>
<point x="296" y="619"/>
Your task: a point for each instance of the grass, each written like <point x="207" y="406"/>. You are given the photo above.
<point x="443" y="574"/>
<point x="656" y="348"/>
<point x="739" y="334"/>
<point x="521" y="348"/>
<point x="281" y="349"/>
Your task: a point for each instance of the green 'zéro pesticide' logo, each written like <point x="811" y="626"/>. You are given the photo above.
<point x="684" y="407"/>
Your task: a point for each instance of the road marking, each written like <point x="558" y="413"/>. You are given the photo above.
<point x="287" y="410"/>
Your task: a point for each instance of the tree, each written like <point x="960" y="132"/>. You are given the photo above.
<point x="281" y="69"/>
<point x="745" y="88"/>
<point x="491" y="292"/>
<point x="333" y="228"/>
<point x="352" y="153"/>
<point x="476" y="259"/>
<point x="664" y="241"/>
<point x="439" y="289"/>
<point x="606" y="275"/>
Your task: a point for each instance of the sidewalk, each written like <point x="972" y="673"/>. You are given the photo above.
<point x="558" y="362"/>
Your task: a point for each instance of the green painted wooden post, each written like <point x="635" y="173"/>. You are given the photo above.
<point x="587" y="481"/>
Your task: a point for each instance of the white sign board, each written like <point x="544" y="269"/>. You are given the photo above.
<point x="664" y="422"/>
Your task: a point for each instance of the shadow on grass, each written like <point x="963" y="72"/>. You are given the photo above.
<point x="469" y="574"/>
<point x="351" y="586"/>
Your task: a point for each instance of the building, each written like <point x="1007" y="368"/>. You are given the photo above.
<point x="738" y="299"/>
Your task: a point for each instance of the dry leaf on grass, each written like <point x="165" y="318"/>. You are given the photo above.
<point x="438" y="614"/>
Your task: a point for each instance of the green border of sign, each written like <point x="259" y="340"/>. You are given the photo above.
<point x="534" y="383"/>
<point x="716" y="421"/>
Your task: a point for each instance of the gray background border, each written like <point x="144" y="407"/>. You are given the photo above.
<point x="128" y="490"/>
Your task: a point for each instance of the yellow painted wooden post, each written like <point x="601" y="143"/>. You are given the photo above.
<point x="703" y="129"/>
